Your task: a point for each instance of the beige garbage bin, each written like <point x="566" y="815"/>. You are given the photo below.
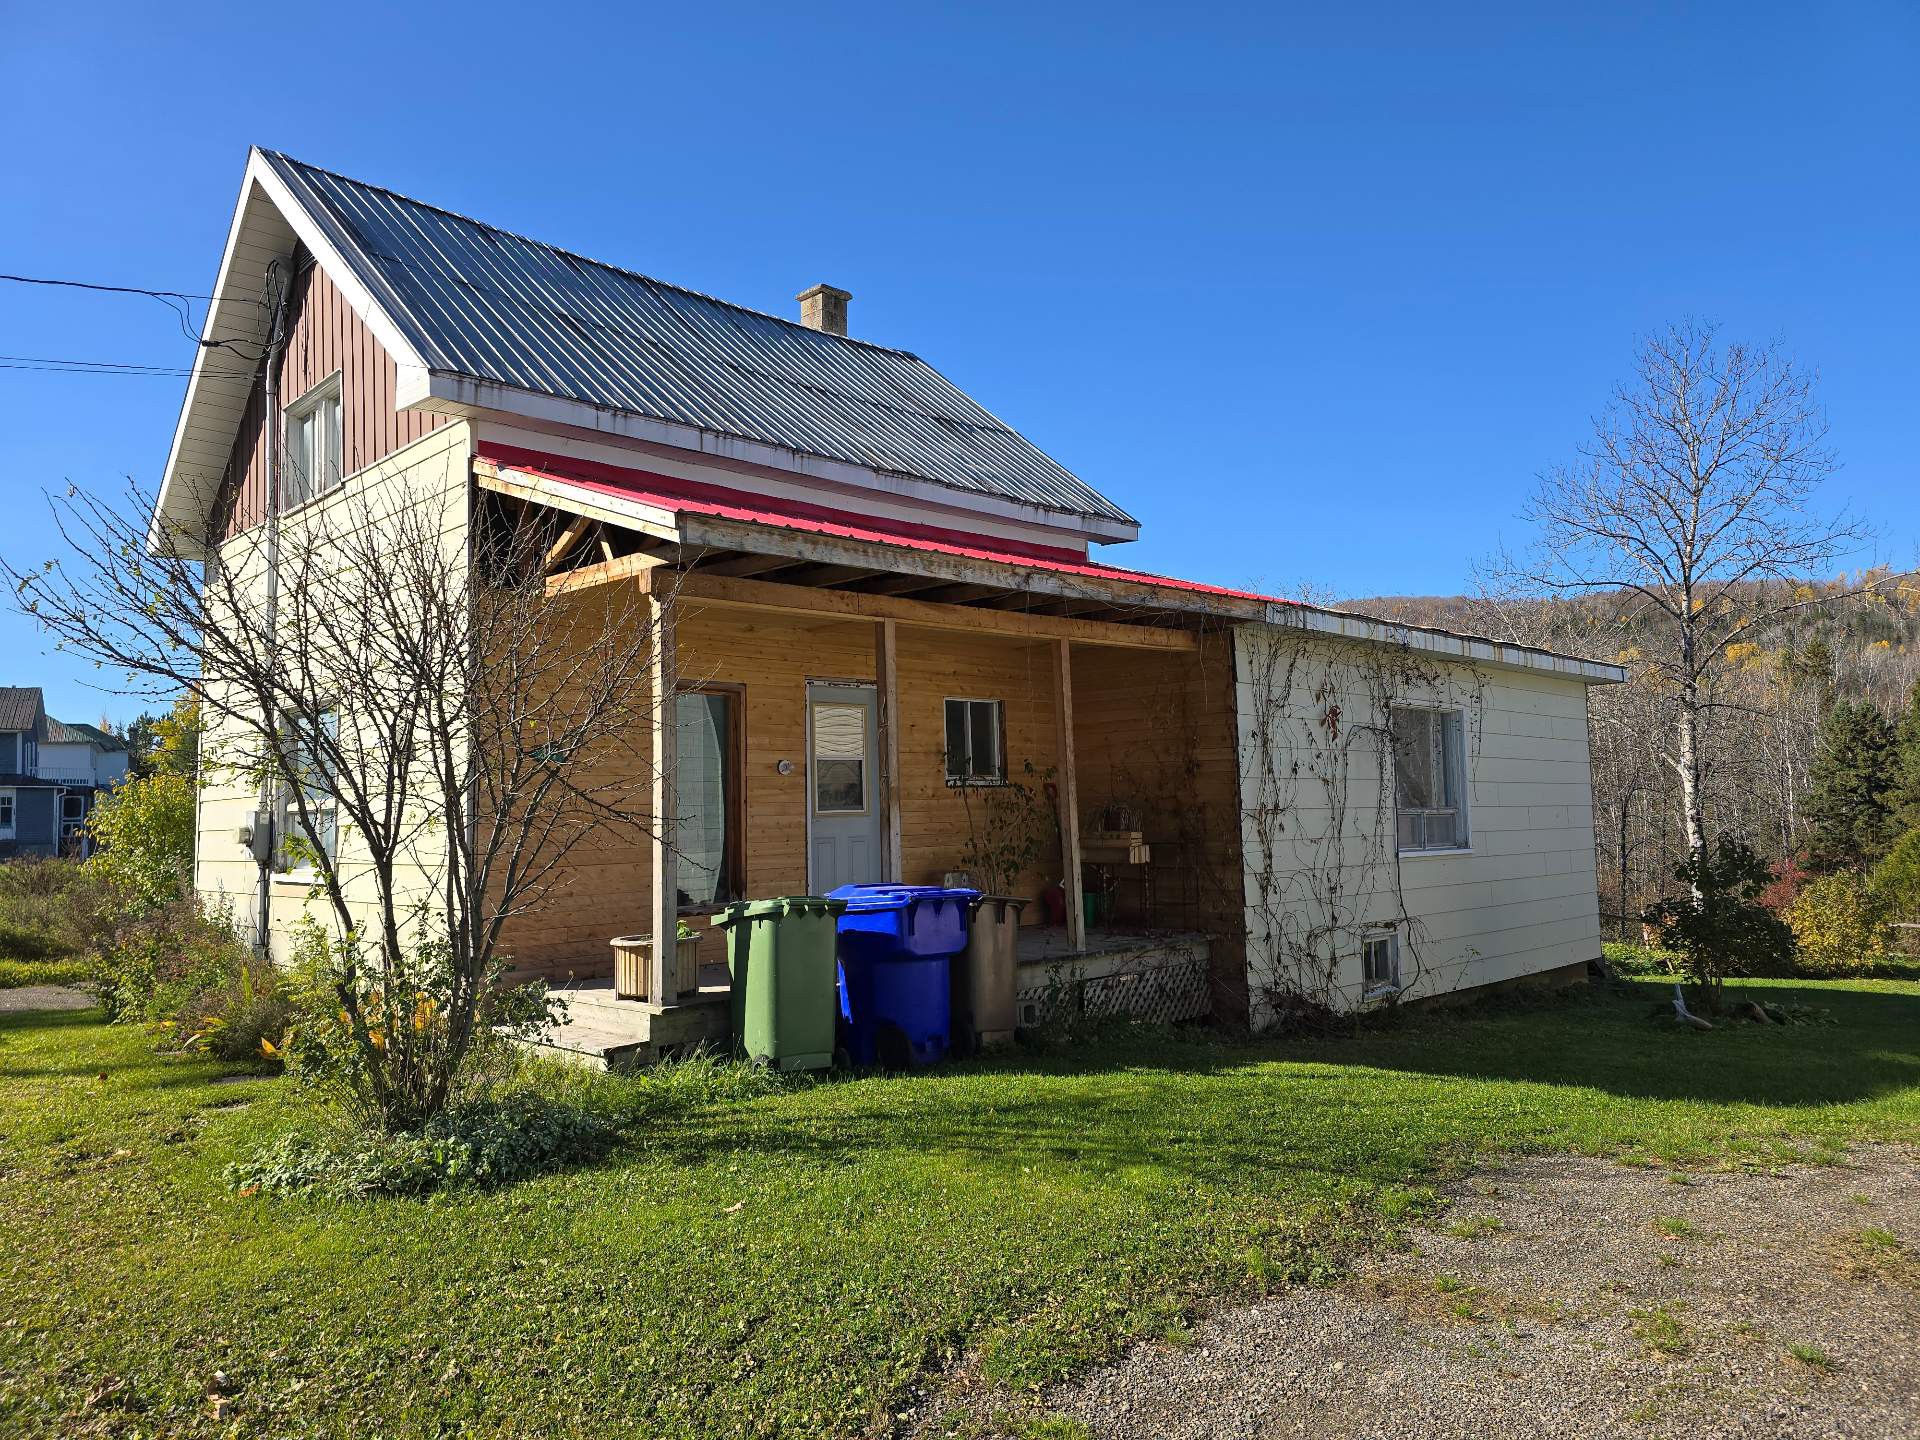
<point x="983" y="981"/>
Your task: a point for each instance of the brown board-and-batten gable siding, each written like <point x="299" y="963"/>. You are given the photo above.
<point x="324" y="337"/>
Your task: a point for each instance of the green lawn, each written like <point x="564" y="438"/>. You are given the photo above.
<point x="791" y="1263"/>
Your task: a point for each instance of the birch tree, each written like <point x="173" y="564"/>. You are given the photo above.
<point x="1695" y="499"/>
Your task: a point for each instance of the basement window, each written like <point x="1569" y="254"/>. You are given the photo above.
<point x="311" y="463"/>
<point x="1429" y="780"/>
<point x="1380" y="964"/>
<point x="976" y="748"/>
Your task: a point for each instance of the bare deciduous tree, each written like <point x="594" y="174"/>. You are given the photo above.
<point x="433" y="722"/>
<point x="1693" y="499"/>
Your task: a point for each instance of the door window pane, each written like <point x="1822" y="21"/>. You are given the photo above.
<point x="704" y="786"/>
<point x="839" y="758"/>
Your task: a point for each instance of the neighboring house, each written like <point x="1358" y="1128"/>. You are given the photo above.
<point x="50" y="775"/>
<point x="897" y="601"/>
<point x="86" y="761"/>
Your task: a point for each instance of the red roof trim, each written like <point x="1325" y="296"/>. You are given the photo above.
<point x="672" y="492"/>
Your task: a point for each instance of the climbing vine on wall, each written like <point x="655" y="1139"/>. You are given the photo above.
<point x="1319" y="825"/>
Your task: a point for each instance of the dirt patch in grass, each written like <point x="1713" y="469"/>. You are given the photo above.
<point x="1607" y="1301"/>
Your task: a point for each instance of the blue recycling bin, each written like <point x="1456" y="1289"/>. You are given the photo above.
<point x="896" y="943"/>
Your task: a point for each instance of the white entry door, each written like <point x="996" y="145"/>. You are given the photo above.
<point x="846" y="840"/>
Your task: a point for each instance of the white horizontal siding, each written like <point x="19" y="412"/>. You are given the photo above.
<point x="1519" y="900"/>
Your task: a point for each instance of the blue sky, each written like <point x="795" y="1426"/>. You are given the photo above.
<point x="1315" y="295"/>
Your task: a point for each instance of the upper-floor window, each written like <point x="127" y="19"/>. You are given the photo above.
<point x="312" y="458"/>
<point x="1429" y="779"/>
<point x="976" y="754"/>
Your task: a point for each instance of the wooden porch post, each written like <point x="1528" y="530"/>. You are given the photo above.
<point x="665" y="906"/>
<point x="1069" y="798"/>
<point x="886" y="682"/>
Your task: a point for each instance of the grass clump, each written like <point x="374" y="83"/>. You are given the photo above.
<point x="1475" y="1227"/>
<point x="1678" y="1227"/>
<point x="1660" y="1330"/>
<point x="480" y="1143"/>
<point x="1813" y="1357"/>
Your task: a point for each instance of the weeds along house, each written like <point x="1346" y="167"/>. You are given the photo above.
<point x="888" y="610"/>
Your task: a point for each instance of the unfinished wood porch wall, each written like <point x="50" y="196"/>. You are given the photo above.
<point x="323" y="336"/>
<point x="773" y="656"/>
<point x="1157" y="732"/>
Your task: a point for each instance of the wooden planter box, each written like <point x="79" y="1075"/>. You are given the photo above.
<point x="633" y="966"/>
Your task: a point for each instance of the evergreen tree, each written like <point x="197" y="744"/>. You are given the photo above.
<point x="1850" y="789"/>
<point x="1906" y="774"/>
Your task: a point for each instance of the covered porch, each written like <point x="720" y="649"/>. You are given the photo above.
<point x="838" y="722"/>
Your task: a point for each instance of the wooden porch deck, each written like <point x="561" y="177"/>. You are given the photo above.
<point x="1151" y="974"/>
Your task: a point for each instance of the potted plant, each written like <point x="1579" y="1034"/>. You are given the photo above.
<point x="633" y="964"/>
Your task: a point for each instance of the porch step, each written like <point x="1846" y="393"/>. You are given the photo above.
<point x="603" y="1032"/>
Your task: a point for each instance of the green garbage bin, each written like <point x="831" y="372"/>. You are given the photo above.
<point x="780" y="955"/>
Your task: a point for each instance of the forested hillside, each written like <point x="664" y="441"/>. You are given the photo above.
<point x="1855" y="642"/>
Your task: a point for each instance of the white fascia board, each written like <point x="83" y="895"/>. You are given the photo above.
<point x="168" y="528"/>
<point x="465" y="395"/>
<point x="1442" y="644"/>
<point x="616" y="510"/>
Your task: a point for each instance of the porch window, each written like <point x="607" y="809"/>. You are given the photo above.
<point x="313" y="444"/>
<point x="839" y="759"/>
<point x="6" y="814"/>
<point x="312" y="779"/>
<point x="73" y="807"/>
<point x="976" y="752"/>
<point x="1429" y="780"/>
<point x="711" y="824"/>
<point x="1380" y="963"/>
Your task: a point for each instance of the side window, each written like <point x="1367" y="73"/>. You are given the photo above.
<point x="6" y="812"/>
<point x="1429" y="780"/>
<point x="315" y="787"/>
<point x="311" y="462"/>
<point x="976" y="748"/>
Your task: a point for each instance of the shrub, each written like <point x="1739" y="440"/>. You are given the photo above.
<point x="390" y="1044"/>
<point x="1895" y="881"/>
<point x="1779" y="893"/>
<point x="1642" y="959"/>
<point x="1838" y="924"/>
<point x="145" y="828"/>
<point x="479" y="1143"/>
<point x="1719" y="926"/>
<point x="50" y="909"/>
<point x="242" y="1015"/>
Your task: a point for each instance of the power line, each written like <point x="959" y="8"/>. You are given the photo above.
<point x="110" y="367"/>
<point x="174" y="300"/>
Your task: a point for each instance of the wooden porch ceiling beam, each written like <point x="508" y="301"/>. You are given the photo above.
<point x="902" y="585"/>
<point x="569" y="538"/>
<point x="745" y="567"/>
<point x="799" y="599"/>
<point x="959" y="594"/>
<point x="827" y="576"/>
<point x="605" y="572"/>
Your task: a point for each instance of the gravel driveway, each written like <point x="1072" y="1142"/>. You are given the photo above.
<point x="1571" y="1298"/>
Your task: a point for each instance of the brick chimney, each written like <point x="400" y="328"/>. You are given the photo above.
<point x="824" y="308"/>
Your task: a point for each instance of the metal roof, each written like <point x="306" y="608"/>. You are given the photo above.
<point x="481" y="302"/>
<point x="21" y="708"/>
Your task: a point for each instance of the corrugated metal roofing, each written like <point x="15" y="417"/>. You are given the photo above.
<point x="482" y="302"/>
<point x="20" y="707"/>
